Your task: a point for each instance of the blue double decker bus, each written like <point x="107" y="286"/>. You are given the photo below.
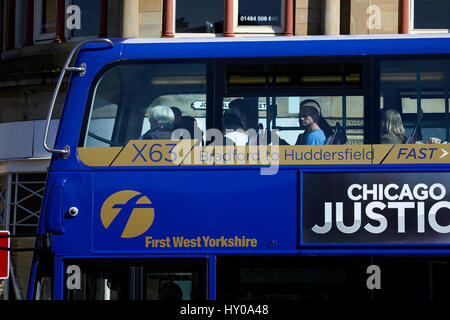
<point x="144" y="209"/>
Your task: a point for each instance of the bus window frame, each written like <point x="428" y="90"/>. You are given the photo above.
<point x="363" y="90"/>
<point x="44" y="264"/>
<point x="208" y="62"/>
<point x="216" y="88"/>
<point x="377" y="62"/>
<point x="137" y="268"/>
<point x="325" y="60"/>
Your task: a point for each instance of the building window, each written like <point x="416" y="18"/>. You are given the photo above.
<point x="21" y="15"/>
<point x="45" y="19"/>
<point x="88" y="24"/>
<point x="259" y="13"/>
<point x="199" y="16"/>
<point x="259" y="16"/>
<point x="430" y="16"/>
<point x="249" y="16"/>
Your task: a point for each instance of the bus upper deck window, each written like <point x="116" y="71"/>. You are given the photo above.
<point x="341" y="118"/>
<point x="417" y="91"/>
<point x="123" y="96"/>
<point x="293" y="75"/>
<point x="277" y="89"/>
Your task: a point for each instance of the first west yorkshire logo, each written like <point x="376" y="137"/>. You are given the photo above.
<point x="131" y="210"/>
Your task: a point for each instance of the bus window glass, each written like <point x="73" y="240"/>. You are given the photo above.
<point x="174" y="280"/>
<point x="154" y="279"/>
<point x="97" y="282"/>
<point x="43" y="289"/>
<point x="287" y="278"/>
<point x="284" y="76"/>
<point x="124" y="95"/>
<point x="282" y="113"/>
<point x="417" y="91"/>
<point x="169" y="286"/>
<point x="332" y="278"/>
<point x="268" y="87"/>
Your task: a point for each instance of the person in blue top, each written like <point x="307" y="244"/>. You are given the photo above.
<point x="316" y="127"/>
<point x="310" y="118"/>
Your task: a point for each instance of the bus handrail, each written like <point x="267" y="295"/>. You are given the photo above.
<point x="81" y="70"/>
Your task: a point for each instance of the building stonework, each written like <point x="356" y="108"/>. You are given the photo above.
<point x="374" y="17"/>
<point x="308" y="17"/>
<point x="150" y="18"/>
<point x="355" y="17"/>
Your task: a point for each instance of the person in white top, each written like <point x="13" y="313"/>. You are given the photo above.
<point x="233" y="129"/>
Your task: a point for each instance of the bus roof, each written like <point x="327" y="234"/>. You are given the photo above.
<point x="283" y="38"/>
<point x="270" y="46"/>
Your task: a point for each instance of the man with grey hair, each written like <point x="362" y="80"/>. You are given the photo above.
<point x="161" y="124"/>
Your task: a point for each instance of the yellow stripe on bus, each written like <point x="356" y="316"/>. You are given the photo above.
<point x="184" y="153"/>
<point x="98" y="156"/>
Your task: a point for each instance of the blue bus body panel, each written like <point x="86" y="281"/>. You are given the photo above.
<point x="74" y="233"/>
<point x="96" y="57"/>
<point x="317" y="46"/>
<point x="199" y="206"/>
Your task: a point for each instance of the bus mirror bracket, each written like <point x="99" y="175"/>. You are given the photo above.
<point x="81" y="72"/>
<point x="81" y="69"/>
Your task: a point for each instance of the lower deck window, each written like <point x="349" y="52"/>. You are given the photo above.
<point x="167" y="279"/>
<point x="333" y="278"/>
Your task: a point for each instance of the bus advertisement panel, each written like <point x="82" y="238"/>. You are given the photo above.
<point x="376" y="208"/>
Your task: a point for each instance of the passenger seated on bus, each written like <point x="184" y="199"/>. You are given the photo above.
<point x="391" y="130"/>
<point x="416" y="137"/>
<point x="189" y="124"/>
<point x="161" y="124"/>
<point x="170" y="291"/>
<point x="177" y="113"/>
<point x="434" y="140"/>
<point x="242" y="106"/>
<point x="309" y="118"/>
<point x="323" y="124"/>
<point x="311" y="110"/>
<point x="233" y="129"/>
